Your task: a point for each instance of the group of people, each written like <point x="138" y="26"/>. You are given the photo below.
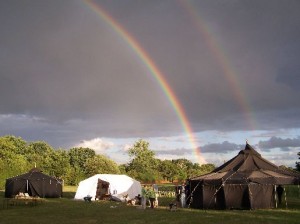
<point x="149" y="194"/>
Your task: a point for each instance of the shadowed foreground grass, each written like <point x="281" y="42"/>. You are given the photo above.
<point x="67" y="210"/>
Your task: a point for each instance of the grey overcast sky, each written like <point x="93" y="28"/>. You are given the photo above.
<point x="70" y="79"/>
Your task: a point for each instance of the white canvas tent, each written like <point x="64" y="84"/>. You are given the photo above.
<point x="119" y="185"/>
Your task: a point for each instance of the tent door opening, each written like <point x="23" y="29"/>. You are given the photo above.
<point x="102" y="192"/>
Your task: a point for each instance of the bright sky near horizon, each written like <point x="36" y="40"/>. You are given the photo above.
<point x="194" y="78"/>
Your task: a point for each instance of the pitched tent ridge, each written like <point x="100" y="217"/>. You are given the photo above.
<point x="249" y="150"/>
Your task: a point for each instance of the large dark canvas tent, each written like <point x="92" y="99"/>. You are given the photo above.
<point x="247" y="181"/>
<point x="35" y="183"/>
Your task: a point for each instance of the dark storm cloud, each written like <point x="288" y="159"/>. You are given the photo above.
<point x="174" y="152"/>
<point x="277" y="142"/>
<point x="224" y="147"/>
<point x="70" y="65"/>
<point x="63" y="64"/>
<point x="258" y="40"/>
<point x="290" y="75"/>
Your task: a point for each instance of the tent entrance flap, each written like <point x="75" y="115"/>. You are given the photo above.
<point x="102" y="191"/>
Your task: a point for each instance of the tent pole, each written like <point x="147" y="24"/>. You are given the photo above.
<point x="216" y="199"/>
<point x="275" y="195"/>
<point x="286" y="205"/>
<point x="250" y="195"/>
<point x="222" y="185"/>
<point x="191" y="195"/>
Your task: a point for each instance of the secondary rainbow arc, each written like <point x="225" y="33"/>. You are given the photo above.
<point x="219" y="53"/>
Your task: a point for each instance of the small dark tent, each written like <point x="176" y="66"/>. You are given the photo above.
<point x="35" y="183"/>
<point x="247" y="181"/>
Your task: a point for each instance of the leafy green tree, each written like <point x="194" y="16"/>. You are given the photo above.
<point x="15" y="145"/>
<point x="12" y="167"/>
<point x="207" y="168"/>
<point x="198" y="170"/>
<point x="298" y="163"/>
<point x="12" y="163"/>
<point x="73" y="176"/>
<point x="17" y="157"/>
<point x="182" y="175"/>
<point x="60" y="163"/>
<point x="79" y="156"/>
<point x="168" y="170"/>
<point x="184" y="164"/>
<point x="8" y="147"/>
<point x="122" y="168"/>
<point x="184" y="167"/>
<point x="39" y="154"/>
<point x="142" y="156"/>
<point x="77" y="160"/>
<point x="100" y="164"/>
<point x="143" y="165"/>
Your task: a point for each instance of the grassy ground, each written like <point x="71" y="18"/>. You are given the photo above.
<point x="66" y="210"/>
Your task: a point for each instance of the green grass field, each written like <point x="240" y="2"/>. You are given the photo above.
<point x="66" y="210"/>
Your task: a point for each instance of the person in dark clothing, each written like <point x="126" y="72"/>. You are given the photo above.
<point x="138" y="199"/>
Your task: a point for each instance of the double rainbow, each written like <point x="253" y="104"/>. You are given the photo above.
<point x="154" y="71"/>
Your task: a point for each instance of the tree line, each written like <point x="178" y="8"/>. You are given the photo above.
<point x="18" y="156"/>
<point x="73" y="165"/>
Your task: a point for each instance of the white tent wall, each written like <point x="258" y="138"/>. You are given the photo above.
<point x="87" y="187"/>
<point x="119" y="185"/>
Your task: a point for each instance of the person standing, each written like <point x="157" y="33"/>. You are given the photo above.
<point x="182" y="196"/>
<point x="151" y="195"/>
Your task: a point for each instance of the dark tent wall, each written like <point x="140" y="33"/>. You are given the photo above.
<point x="233" y="196"/>
<point x="262" y="196"/>
<point x="247" y="181"/>
<point x="35" y="183"/>
<point x="240" y="198"/>
<point x="206" y="197"/>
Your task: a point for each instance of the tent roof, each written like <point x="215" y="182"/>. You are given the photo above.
<point x="248" y="166"/>
<point x="33" y="174"/>
<point x="246" y="160"/>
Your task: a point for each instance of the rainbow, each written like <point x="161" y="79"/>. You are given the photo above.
<point x="155" y="72"/>
<point x="219" y="53"/>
